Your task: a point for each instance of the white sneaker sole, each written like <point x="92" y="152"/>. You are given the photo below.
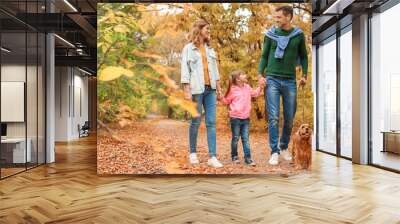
<point x="209" y="164"/>
<point x="287" y="159"/>
<point x="273" y="164"/>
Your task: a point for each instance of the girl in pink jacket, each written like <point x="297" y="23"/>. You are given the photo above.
<point x="238" y="97"/>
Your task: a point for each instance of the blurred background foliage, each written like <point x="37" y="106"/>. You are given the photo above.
<point x="139" y="47"/>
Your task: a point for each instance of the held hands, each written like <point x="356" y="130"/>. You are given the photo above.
<point x="187" y="95"/>
<point x="219" y="94"/>
<point x="262" y="84"/>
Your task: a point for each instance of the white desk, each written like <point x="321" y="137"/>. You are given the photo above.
<point x="18" y="150"/>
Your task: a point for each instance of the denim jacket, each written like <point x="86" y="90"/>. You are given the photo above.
<point x="192" y="71"/>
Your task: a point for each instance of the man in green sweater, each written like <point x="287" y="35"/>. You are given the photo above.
<point x="284" y="48"/>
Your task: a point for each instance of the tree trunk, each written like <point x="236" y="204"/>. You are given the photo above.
<point x="170" y="112"/>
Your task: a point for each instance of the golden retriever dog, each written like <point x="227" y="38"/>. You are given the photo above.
<point x="302" y="147"/>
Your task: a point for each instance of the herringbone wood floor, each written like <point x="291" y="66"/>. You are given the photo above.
<point x="70" y="191"/>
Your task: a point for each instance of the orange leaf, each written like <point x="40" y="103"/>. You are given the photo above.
<point x="189" y="106"/>
<point x="168" y="81"/>
<point x="161" y="69"/>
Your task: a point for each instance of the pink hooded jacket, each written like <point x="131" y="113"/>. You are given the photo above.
<point x="239" y="100"/>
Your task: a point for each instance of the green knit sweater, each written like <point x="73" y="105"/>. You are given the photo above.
<point x="286" y="66"/>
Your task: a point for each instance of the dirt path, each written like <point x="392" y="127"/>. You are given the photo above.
<point x="161" y="146"/>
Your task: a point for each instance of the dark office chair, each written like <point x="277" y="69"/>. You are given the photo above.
<point x="84" y="130"/>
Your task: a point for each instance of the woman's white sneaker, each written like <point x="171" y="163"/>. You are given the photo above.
<point x="286" y="155"/>
<point x="274" y="160"/>
<point x="213" y="161"/>
<point x="193" y="158"/>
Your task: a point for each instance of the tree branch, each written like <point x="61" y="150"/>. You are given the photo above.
<point x="295" y="6"/>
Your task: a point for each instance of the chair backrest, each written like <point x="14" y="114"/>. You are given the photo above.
<point x="86" y="125"/>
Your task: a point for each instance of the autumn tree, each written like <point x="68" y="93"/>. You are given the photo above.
<point x="131" y="77"/>
<point x="139" y="47"/>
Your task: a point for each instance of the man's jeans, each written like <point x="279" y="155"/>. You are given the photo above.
<point x="209" y="102"/>
<point x="240" y="128"/>
<point x="277" y="87"/>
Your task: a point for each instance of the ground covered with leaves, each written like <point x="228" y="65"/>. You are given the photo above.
<point x="161" y="146"/>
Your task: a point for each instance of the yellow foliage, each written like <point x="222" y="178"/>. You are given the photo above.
<point x="109" y="17"/>
<point x="141" y="7"/>
<point x="154" y="106"/>
<point x="120" y="28"/>
<point x="108" y="38"/>
<point x="114" y="72"/>
<point x="161" y="69"/>
<point x="162" y="91"/>
<point x="119" y="13"/>
<point x="146" y="54"/>
<point x="149" y="76"/>
<point x="128" y="63"/>
<point x="126" y="115"/>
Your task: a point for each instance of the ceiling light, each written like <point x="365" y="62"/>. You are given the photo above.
<point x="70" y="5"/>
<point x="5" y="50"/>
<point x="337" y="7"/>
<point x="84" y="71"/>
<point x="64" y="40"/>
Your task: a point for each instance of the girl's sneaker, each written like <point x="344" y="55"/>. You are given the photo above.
<point x="235" y="160"/>
<point x="286" y="155"/>
<point x="249" y="162"/>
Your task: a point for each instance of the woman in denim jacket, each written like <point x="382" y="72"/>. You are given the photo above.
<point x="200" y="78"/>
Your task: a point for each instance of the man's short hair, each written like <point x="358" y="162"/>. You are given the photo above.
<point x="287" y="10"/>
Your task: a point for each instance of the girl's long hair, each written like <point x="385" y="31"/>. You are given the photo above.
<point x="233" y="80"/>
<point x="195" y="33"/>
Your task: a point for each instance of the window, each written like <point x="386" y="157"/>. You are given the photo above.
<point x="22" y="75"/>
<point x="327" y="96"/>
<point x="385" y="89"/>
<point x="346" y="93"/>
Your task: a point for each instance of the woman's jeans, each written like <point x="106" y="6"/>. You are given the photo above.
<point x="209" y="102"/>
<point x="277" y="87"/>
<point x="240" y="128"/>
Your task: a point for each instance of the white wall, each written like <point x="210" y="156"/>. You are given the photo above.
<point x="62" y="81"/>
<point x="71" y="87"/>
<point x="81" y="100"/>
<point x="12" y="73"/>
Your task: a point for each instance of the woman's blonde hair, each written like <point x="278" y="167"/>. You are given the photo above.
<point x="195" y="33"/>
<point x="233" y="80"/>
